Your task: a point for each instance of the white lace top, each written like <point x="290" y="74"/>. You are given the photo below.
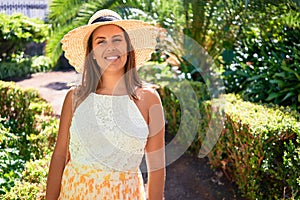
<point x="109" y="133"/>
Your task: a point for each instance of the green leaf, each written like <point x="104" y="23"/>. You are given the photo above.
<point x="285" y="68"/>
<point x="272" y="96"/>
<point x="288" y="95"/>
<point x="228" y="55"/>
<point x="255" y="77"/>
<point x="279" y="82"/>
<point x="281" y="74"/>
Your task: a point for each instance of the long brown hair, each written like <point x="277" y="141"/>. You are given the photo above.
<point x="91" y="77"/>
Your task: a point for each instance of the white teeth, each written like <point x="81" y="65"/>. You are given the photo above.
<point x="112" y="57"/>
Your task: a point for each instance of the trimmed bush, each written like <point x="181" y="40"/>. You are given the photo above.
<point x="14" y="69"/>
<point x="27" y="133"/>
<point x="24" y="66"/>
<point x="181" y="100"/>
<point x="259" y="149"/>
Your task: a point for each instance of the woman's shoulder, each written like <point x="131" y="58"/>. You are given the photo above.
<point x="67" y="108"/>
<point x="69" y="98"/>
<point x="149" y="94"/>
<point x="70" y="93"/>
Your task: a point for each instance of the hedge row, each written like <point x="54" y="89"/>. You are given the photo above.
<point x="259" y="145"/>
<point x="182" y="103"/>
<point x="24" y="66"/>
<point x="259" y="149"/>
<point x="27" y="135"/>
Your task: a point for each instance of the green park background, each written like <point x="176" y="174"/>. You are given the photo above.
<point x="241" y="59"/>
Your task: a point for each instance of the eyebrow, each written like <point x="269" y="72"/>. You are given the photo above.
<point x="101" y="37"/>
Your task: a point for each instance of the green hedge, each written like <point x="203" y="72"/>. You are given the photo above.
<point x="27" y="134"/>
<point x="259" y="149"/>
<point x="24" y="66"/>
<point x="184" y="111"/>
<point x="14" y="69"/>
<point x="182" y="103"/>
<point x="259" y="146"/>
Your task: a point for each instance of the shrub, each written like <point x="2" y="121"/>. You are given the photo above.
<point x="40" y="64"/>
<point x="24" y="66"/>
<point x="16" y="31"/>
<point x="266" y="57"/>
<point x="9" y="159"/>
<point x="259" y="149"/>
<point x="28" y="130"/>
<point x="181" y="100"/>
<point x="14" y="69"/>
<point x="259" y="146"/>
<point x="33" y="182"/>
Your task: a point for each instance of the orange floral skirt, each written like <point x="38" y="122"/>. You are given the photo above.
<point x="82" y="182"/>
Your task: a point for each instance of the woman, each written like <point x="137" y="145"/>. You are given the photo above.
<point x="111" y="119"/>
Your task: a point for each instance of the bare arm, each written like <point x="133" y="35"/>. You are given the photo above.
<point x="155" y="151"/>
<point x="60" y="153"/>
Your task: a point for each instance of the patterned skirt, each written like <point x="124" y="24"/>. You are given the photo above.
<point x="82" y="182"/>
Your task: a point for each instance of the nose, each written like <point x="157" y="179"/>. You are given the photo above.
<point x="111" y="47"/>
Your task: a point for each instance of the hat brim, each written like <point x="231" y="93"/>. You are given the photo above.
<point x="142" y="36"/>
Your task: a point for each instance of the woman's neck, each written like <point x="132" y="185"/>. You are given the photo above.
<point x="112" y="83"/>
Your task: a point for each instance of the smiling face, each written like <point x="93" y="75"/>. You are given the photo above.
<point x="109" y="48"/>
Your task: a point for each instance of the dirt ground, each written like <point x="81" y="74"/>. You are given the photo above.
<point x="188" y="178"/>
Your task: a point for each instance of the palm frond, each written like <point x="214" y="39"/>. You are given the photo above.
<point x="89" y="8"/>
<point x="53" y="47"/>
<point x="63" y="12"/>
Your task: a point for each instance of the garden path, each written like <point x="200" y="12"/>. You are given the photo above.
<point x="188" y="178"/>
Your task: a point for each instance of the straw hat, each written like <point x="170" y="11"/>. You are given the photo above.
<point x="142" y="36"/>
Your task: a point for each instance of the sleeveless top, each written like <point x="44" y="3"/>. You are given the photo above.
<point x="108" y="133"/>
